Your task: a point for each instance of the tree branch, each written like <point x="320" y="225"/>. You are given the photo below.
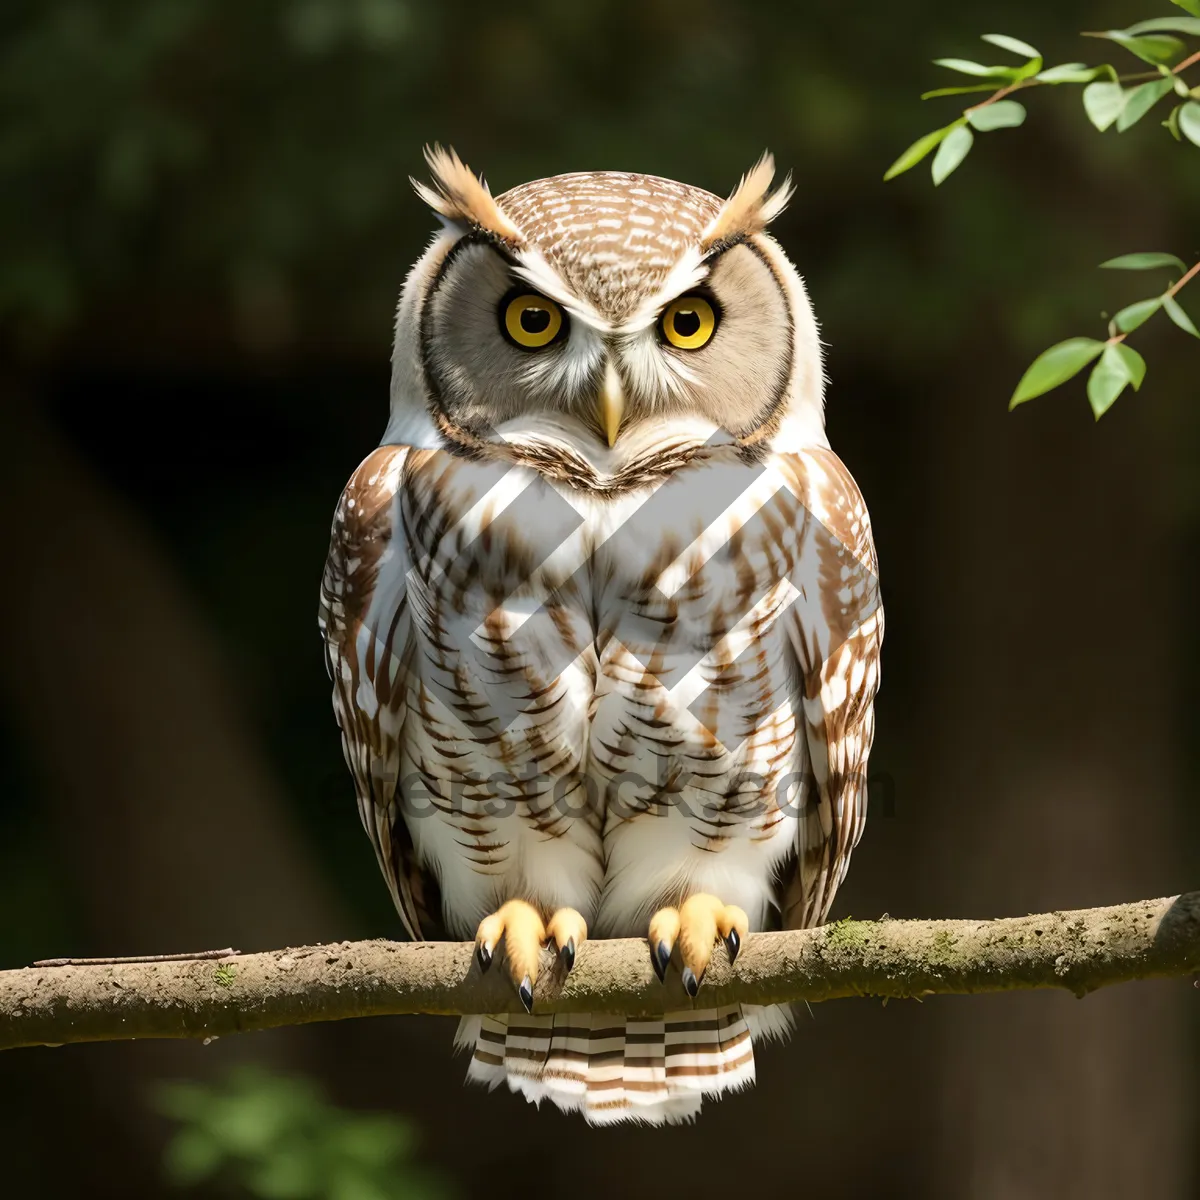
<point x="204" y="998"/>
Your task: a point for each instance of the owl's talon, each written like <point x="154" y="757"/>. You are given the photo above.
<point x="568" y="931"/>
<point x="733" y="945"/>
<point x="660" y="958"/>
<point x="664" y="929"/>
<point x="696" y="925"/>
<point x="525" y="991"/>
<point x="519" y="925"/>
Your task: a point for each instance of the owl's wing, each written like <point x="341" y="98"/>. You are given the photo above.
<point x="364" y="615"/>
<point x="836" y="629"/>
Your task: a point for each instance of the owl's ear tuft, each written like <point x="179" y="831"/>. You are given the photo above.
<point x="462" y="198"/>
<point x="751" y="207"/>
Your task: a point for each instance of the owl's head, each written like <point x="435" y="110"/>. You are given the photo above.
<point x="609" y="303"/>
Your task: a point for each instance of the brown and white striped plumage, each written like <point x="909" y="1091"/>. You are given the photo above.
<point x="600" y="676"/>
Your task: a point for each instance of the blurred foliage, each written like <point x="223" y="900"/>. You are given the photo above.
<point x="1108" y="98"/>
<point x="278" y="1138"/>
<point x="122" y="146"/>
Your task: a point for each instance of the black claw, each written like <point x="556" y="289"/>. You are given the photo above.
<point x="484" y="956"/>
<point x="691" y="984"/>
<point x="733" y="944"/>
<point x="525" y="991"/>
<point x="567" y="953"/>
<point x="660" y="957"/>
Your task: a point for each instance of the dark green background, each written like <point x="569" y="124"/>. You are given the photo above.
<point x="204" y="223"/>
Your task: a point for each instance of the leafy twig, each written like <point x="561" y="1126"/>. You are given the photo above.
<point x="1119" y="365"/>
<point x="1169" y="294"/>
<point x="1107" y="102"/>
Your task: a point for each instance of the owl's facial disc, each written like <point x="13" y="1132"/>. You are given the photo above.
<point x="496" y="348"/>
<point x="721" y="350"/>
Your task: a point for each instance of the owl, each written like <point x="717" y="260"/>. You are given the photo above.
<point x="602" y="616"/>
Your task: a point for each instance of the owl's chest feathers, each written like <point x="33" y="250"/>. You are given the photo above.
<point x="602" y="670"/>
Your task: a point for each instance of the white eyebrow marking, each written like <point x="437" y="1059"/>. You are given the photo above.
<point x="690" y="271"/>
<point x="534" y="268"/>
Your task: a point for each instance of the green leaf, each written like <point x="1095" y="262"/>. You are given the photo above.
<point x="1004" y="114"/>
<point x="965" y="67"/>
<point x="1176" y="313"/>
<point x="1140" y="100"/>
<point x="951" y="152"/>
<point x="1154" y="49"/>
<point x="918" y="150"/>
<point x="1106" y="382"/>
<point x="958" y="91"/>
<point x="1133" y="315"/>
<point x="1171" y="124"/>
<point x="1011" y="43"/>
<point x="1015" y="46"/>
<point x="1134" y="363"/>
<point x="1146" y="261"/>
<point x="1192" y="6"/>
<point x="1054" y="367"/>
<point x="1189" y="122"/>
<point x="1070" y="73"/>
<point x="1166" y="25"/>
<point x="1103" y="103"/>
<point x="1119" y="366"/>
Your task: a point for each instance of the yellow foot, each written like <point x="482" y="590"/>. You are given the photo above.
<point x="568" y="931"/>
<point x="524" y="934"/>
<point x="696" y="927"/>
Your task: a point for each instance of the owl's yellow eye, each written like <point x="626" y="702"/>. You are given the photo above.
<point x="689" y="322"/>
<point x="531" y="321"/>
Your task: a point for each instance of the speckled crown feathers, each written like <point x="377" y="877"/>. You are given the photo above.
<point x="615" y="239"/>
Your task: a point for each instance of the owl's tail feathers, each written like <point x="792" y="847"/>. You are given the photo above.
<point x="614" y="1068"/>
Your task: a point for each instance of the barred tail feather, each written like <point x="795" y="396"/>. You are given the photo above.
<point x="613" y="1068"/>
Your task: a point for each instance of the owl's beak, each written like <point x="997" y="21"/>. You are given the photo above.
<point x="610" y="403"/>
